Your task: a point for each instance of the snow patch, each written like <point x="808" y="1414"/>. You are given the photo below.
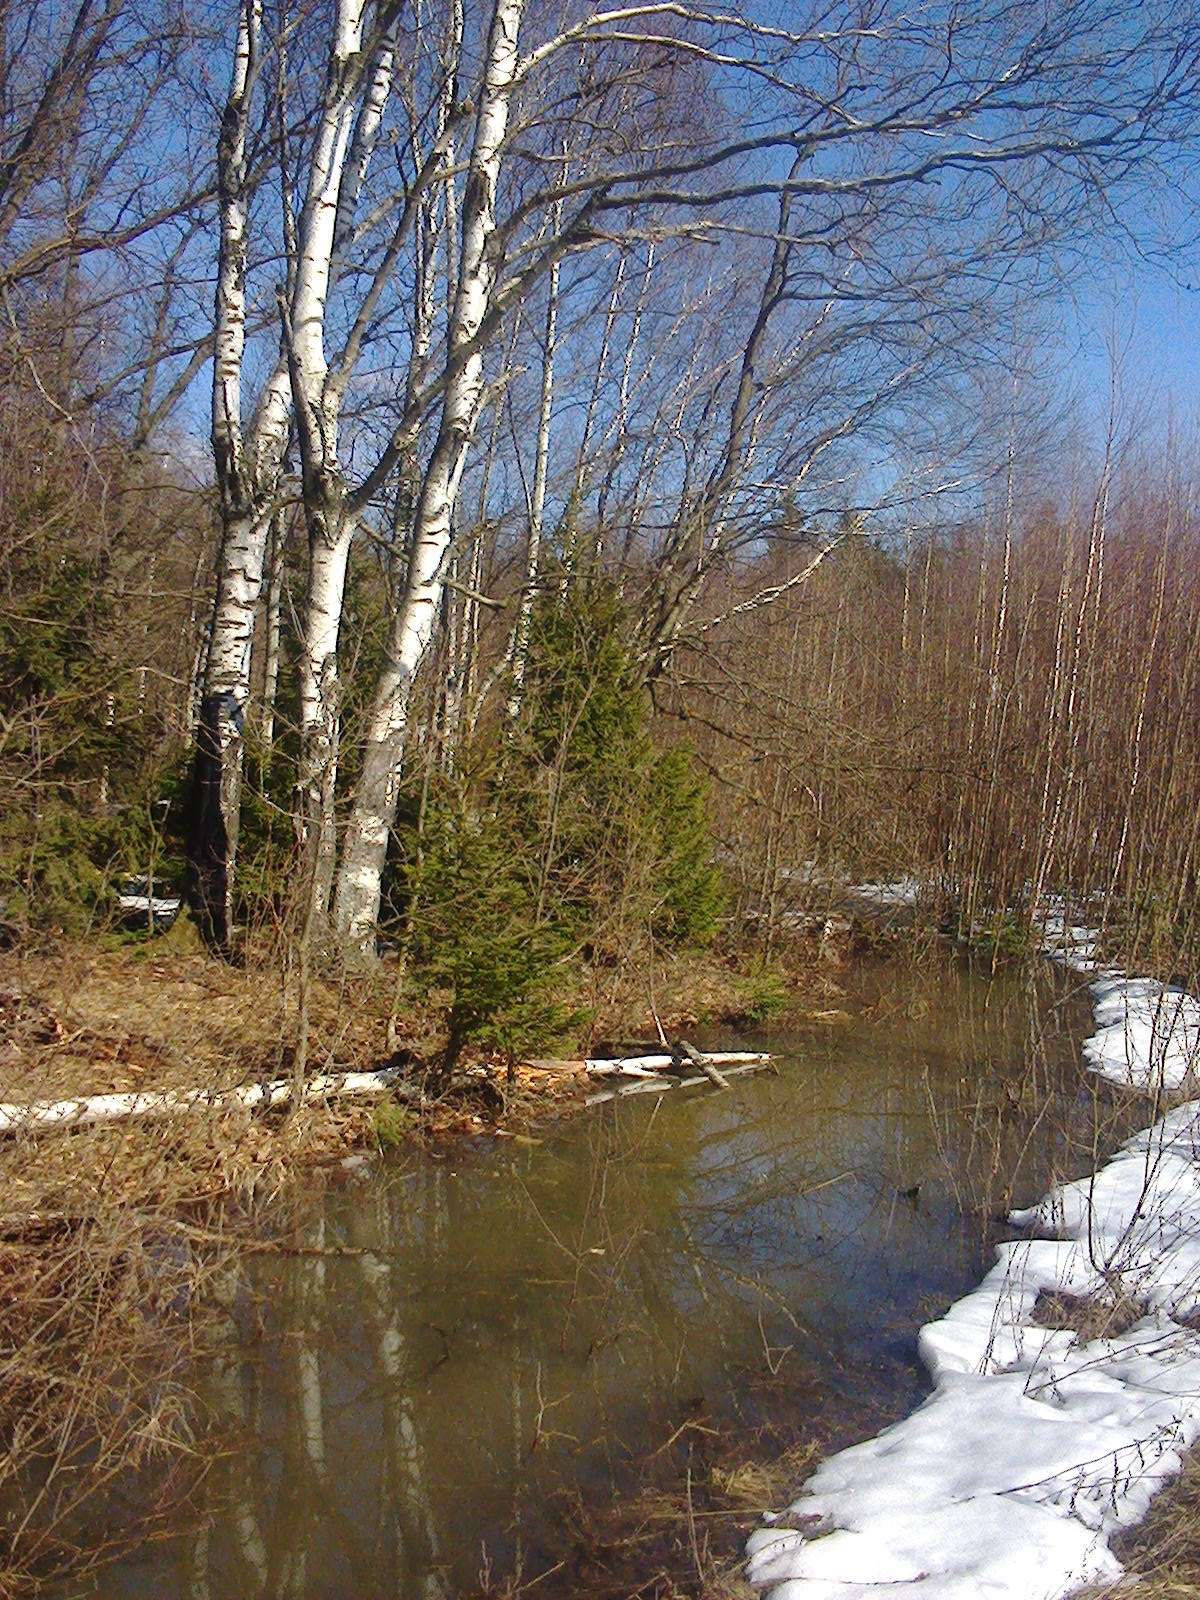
<point x="904" y="892"/>
<point x="1038" y="1441"/>
<point x="1149" y="1034"/>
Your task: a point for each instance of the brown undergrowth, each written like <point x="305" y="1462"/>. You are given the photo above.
<point x="679" y="1531"/>
<point x="120" y="1245"/>
<point x="680" y="1534"/>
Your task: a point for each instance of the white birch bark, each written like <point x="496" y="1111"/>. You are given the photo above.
<point x="47" y="1116"/>
<point x="247" y="468"/>
<point x="318" y="404"/>
<point x="537" y="499"/>
<point x="271" y="653"/>
<point x="338" y="175"/>
<point x="359" y="879"/>
<point x="346" y="139"/>
<point x="589" y="423"/>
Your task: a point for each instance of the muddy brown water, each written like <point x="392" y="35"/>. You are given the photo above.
<point x="522" y="1328"/>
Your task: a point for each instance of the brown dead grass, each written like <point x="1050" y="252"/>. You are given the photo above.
<point x="686" y="990"/>
<point x="681" y="1534"/>
<point x="119" y="1243"/>
<point x="1094" y="1316"/>
<point x="1162" y="1556"/>
<point x="135" y="1017"/>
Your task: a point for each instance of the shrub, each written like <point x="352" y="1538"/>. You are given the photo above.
<point x="575" y="838"/>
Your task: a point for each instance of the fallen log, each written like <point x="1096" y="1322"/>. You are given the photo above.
<point x="659" y="1084"/>
<point x="705" y="1064"/>
<point x="44" y="1116"/>
<point x="641" y="1066"/>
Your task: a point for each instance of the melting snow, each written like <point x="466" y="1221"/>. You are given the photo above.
<point x="1149" y="1034"/>
<point x="904" y="892"/>
<point x="1037" y="1442"/>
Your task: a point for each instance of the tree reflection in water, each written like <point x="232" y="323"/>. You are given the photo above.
<point x="462" y="1344"/>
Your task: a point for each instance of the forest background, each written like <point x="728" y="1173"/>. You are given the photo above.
<point x="521" y="488"/>
<point x="495" y="495"/>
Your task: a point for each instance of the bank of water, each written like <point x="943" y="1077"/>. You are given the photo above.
<point x="461" y="1353"/>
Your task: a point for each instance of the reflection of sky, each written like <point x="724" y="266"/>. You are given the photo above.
<point x="533" y="1321"/>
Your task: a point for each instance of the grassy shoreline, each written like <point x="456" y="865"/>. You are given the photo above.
<point x="117" y="1245"/>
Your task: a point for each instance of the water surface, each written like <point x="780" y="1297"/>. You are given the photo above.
<point x="465" y="1348"/>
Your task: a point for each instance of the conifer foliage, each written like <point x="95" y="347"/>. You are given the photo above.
<point x="575" y="841"/>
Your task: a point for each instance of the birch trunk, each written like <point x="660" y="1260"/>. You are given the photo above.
<point x="318" y="407"/>
<point x="622" y="423"/>
<point x="276" y="544"/>
<point x="320" y="706"/>
<point x="537" y="501"/>
<point x="319" y="387"/>
<point x="359" y="879"/>
<point x="247" y="468"/>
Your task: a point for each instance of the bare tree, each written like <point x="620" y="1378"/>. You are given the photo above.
<point x="832" y="261"/>
<point x="357" y="904"/>
<point x="904" y="178"/>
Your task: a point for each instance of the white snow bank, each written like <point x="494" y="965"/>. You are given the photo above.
<point x="1149" y="1034"/>
<point x="1072" y="943"/>
<point x="1037" y="1442"/>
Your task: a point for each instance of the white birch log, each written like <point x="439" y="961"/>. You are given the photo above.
<point x="654" y="1083"/>
<point x="642" y="1066"/>
<point x="46" y="1116"/>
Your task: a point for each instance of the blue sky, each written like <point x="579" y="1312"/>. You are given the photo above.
<point x="1152" y="328"/>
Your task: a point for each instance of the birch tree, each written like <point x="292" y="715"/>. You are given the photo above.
<point x="320" y="388"/>
<point x="248" y="459"/>
<point x="365" y="850"/>
<point x="345" y="141"/>
<point x="304" y="390"/>
<point x="900" y="176"/>
<point x="903" y="176"/>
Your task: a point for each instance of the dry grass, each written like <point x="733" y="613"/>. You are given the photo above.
<point x="148" y="1016"/>
<point x="684" y="989"/>
<point x="1162" y="1556"/>
<point x="684" y="1533"/>
<point x="680" y="1532"/>
<point x="117" y="1248"/>
<point x="120" y="1244"/>
<point x="1093" y="1316"/>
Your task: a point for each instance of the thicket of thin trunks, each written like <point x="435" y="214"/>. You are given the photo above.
<point x="1009" y="713"/>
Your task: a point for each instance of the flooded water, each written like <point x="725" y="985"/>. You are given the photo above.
<point x="464" y="1349"/>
